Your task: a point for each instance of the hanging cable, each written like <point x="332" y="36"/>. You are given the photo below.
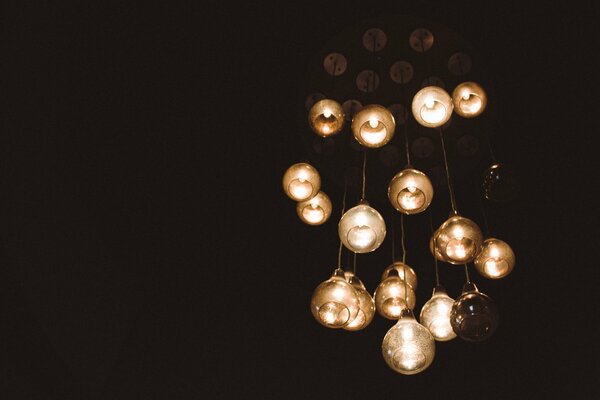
<point x="483" y="214"/>
<point x="364" y="174"/>
<point x="467" y="273"/>
<point x="393" y="238"/>
<point x="342" y="213"/>
<point x="402" y="239"/>
<point x="354" y="264"/>
<point x="435" y="260"/>
<point x="452" y="199"/>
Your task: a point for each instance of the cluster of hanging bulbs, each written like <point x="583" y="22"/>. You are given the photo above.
<point x="342" y="301"/>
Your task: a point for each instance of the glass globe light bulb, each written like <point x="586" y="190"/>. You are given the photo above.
<point x="401" y="269"/>
<point x="366" y="307"/>
<point x="326" y="117"/>
<point x="458" y="240"/>
<point x="335" y="303"/>
<point x="408" y="347"/>
<point x="362" y="228"/>
<point x="435" y="315"/>
<point x="432" y="106"/>
<point x="495" y="260"/>
<point x="373" y="126"/>
<point x="410" y="191"/>
<point x="390" y="296"/>
<point x="474" y="316"/>
<point x="500" y="183"/>
<point x="469" y="99"/>
<point x="434" y="251"/>
<point x="301" y="181"/>
<point x="316" y="210"/>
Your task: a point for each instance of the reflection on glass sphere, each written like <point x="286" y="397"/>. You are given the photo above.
<point x="316" y="210"/>
<point x="469" y="99"/>
<point x="410" y="191"/>
<point x="362" y="228"/>
<point x="458" y="240"/>
<point x="401" y="268"/>
<point x="500" y="183"/>
<point x="301" y="182"/>
<point x="326" y="117"/>
<point x="390" y="296"/>
<point x="408" y="347"/>
<point x="366" y="307"/>
<point x="335" y="303"/>
<point x="435" y="315"/>
<point x="432" y="106"/>
<point x="434" y="251"/>
<point x="474" y="316"/>
<point x="495" y="260"/>
<point x="373" y="126"/>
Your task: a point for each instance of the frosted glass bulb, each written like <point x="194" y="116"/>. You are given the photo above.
<point x="458" y="240"/>
<point x="373" y="126"/>
<point x="326" y="117"/>
<point x="390" y="296"/>
<point x="469" y="99"/>
<point x="435" y="315"/>
<point x="301" y="182"/>
<point x="408" y="347"/>
<point x="410" y="191"/>
<point x="361" y="229"/>
<point x="432" y="106"/>
<point x="316" y="210"/>
<point x="335" y="303"/>
<point x="495" y="260"/>
<point x="366" y="306"/>
<point x="402" y="269"/>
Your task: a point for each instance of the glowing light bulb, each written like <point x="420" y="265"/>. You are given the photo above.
<point x="326" y="117"/>
<point x="316" y="210"/>
<point x="469" y="99"/>
<point x="459" y="249"/>
<point x="362" y="229"/>
<point x="366" y="306"/>
<point x="408" y="347"/>
<point x="405" y="273"/>
<point x="362" y="238"/>
<point x="457" y="240"/>
<point x="373" y="123"/>
<point x="373" y="126"/>
<point x="432" y="106"/>
<point x="435" y="315"/>
<point x="410" y="191"/>
<point x="474" y="316"/>
<point x="301" y="182"/>
<point x="335" y="303"/>
<point x="390" y="296"/>
<point x="495" y="260"/>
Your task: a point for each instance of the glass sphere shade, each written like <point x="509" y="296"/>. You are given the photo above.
<point x="474" y="316"/>
<point x="410" y="191"/>
<point x="401" y="268"/>
<point x="326" y="117"/>
<point x="500" y="183"/>
<point x="495" y="260"/>
<point x="301" y="181"/>
<point x="433" y="249"/>
<point x="458" y="240"/>
<point x="366" y="307"/>
<point x="390" y="297"/>
<point x="315" y="210"/>
<point x="373" y="126"/>
<point x="435" y="315"/>
<point x="361" y="229"/>
<point x="469" y="99"/>
<point x="335" y="303"/>
<point x="432" y="106"/>
<point x="408" y="347"/>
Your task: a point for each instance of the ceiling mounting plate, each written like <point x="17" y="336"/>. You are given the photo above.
<point x="374" y="39"/>
<point x="335" y="64"/>
<point x="421" y="40"/>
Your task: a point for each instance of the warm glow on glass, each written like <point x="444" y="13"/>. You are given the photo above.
<point x="316" y="210"/>
<point x="408" y="347"/>
<point x="495" y="260"/>
<point x="390" y="296"/>
<point x="335" y="303"/>
<point x="366" y="306"/>
<point x="410" y="191"/>
<point x="474" y="316"/>
<point x="469" y="99"/>
<point x="362" y="229"/>
<point x="458" y="240"/>
<point x="373" y="126"/>
<point x="435" y="315"/>
<point x="301" y="182"/>
<point x="401" y="268"/>
<point x="326" y="117"/>
<point x="432" y="106"/>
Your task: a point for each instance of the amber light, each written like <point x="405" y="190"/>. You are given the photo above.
<point x="410" y="191"/>
<point x="469" y="99"/>
<point x="432" y="107"/>
<point x="301" y="181"/>
<point x="373" y="126"/>
<point x="326" y="117"/>
<point x="335" y="303"/>
<point x="316" y="210"/>
<point x="496" y="259"/>
<point x="458" y="240"/>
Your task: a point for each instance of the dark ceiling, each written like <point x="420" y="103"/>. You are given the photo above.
<point x="149" y="251"/>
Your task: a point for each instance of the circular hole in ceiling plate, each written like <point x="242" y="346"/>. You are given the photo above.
<point x="374" y="39"/>
<point x="351" y="107"/>
<point x="335" y="64"/>
<point x="422" y="147"/>
<point x="433" y="81"/>
<point x="401" y="72"/>
<point x="311" y="99"/>
<point x="459" y="64"/>
<point x="367" y="81"/>
<point x="399" y="112"/>
<point x="421" y="40"/>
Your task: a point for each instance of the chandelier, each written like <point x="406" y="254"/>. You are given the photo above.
<point x="413" y="87"/>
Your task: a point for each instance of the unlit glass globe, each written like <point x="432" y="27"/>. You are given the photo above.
<point x="362" y="228"/>
<point x="458" y="240"/>
<point x="373" y="126"/>
<point x="500" y="183"/>
<point x="474" y="316"/>
<point x="435" y="315"/>
<point x="366" y="308"/>
<point x="408" y="347"/>
<point x="410" y="191"/>
<point x="432" y="106"/>
<point x="401" y="268"/>
<point x="326" y="117"/>
<point x="301" y="182"/>
<point x="335" y="303"/>
<point x="495" y="260"/>
<point x="390" y="296"/>
<point x="469" y="99"/>
<point x="316" y="210"/>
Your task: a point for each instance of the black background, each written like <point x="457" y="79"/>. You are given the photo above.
<point x="149" y="251"/>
